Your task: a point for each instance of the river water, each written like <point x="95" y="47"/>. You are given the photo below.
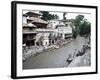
<point x="54" y="58"/>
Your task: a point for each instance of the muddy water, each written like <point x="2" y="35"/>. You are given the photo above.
<point x="55" y="58"/>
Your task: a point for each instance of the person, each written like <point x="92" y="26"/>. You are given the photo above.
<point x="69" y="59"/>
<point x="71" y="56"/>
<point x="78" y="53"/>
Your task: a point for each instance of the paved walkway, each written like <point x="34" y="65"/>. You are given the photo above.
<point x="55" y="58"/>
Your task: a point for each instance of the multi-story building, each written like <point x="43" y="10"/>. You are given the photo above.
<point x="29" y="34"/>
<point x="36" y="31"/>
<point x="64" y="29"/>
<point x="31" y="22"/>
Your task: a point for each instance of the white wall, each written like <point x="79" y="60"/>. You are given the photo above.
<point x="5" y="40"/>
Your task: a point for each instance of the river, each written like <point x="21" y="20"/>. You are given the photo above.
<point x="54" y="58"/>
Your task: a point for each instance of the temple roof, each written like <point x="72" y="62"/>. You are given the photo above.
<point x="37" y="20"/>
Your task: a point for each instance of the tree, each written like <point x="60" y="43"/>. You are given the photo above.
<point x="78" y="21"/>
<point x="56" y="16"/>
<point x="47" y="16"/>
<point x="85" y="28"/>
<point x="64" y="14"/>
<point x="82" y="26"/>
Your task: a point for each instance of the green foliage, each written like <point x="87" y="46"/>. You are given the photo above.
<point x="78" y="20"/>
<point x="74" y="34"/>
<point x="82" y="26"/>
<point x="85" y="28"/>
<point x="47" y="16"/>
<point x="77" y="23"/>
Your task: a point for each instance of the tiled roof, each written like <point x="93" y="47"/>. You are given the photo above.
<point x="29" y="25"/>
<point x="37" y="20"/>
